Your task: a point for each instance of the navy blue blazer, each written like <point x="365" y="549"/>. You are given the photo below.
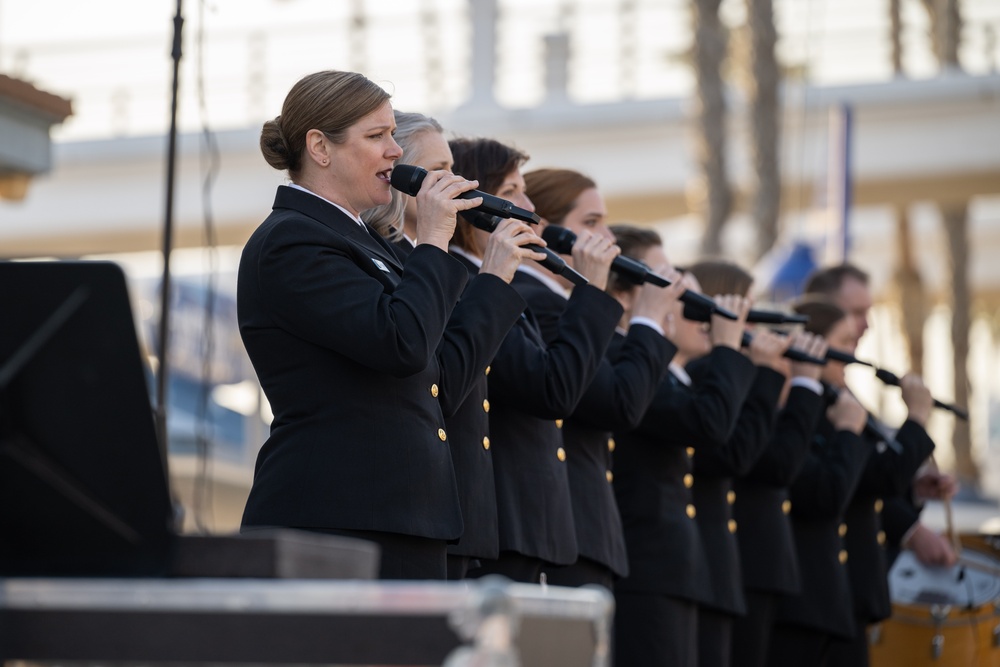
<point x="714" y="496"/>
<point x="653" y="476"/>
<point x="534" y="384"/>
<point x="345" y="345"/>
<point x="819" y="497"/>
<point x="767" y="547"/>
<point x="616" y="399"/>
<point x="888" y="474"/>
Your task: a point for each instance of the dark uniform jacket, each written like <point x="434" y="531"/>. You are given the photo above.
<point x="767" y="547"/>
<point x="898" y="516"/>
<point x="344" y="342"/>
<point x="616" y="399"/>
<point x="467" y="416"/>
<point x="532" y="384"/>
<point x="714" y="470"/>
<point x="888" y="474"/>
<point x="819" y="496"/>
<point x="653" y="475"/>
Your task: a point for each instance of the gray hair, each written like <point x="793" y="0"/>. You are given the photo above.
<point x="387" y="219"/>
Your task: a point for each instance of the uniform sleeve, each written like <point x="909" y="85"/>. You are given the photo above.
<point x="829" y="476"/>
<point x="706" y="414"/>
<point x="750" y="437"/>
<point x="313" y="285"/>
<point x="546" y="380"/>
<point x="488" y="309"/>
<point x="786" y="451"/>
<point x="890" y="471"/>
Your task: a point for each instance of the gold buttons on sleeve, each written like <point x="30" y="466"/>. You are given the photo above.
<point x="842" y="529"/>
<point x="732" y="525"/>
<point x="486" y="405"/>
<point x="611" y="444"/>
<point x="842" y="556"/>
<point x="486" y="443"/>
<point x="731" y="497"/>
<point x="434" y="390"/>
<point x="878" y="505"/>
<point x="691" y="512"/>
<point x="690" y="451"/>
<point x="487" y="370"/>
<point x="881" y="537"/>
<point x="786" y="506"/>
<point x="561" y="454"/>
<point x="442" y="434"/>
<point x="609" y="475"/>
<point x="559" y="423"/>
<point x="688" y="481"/>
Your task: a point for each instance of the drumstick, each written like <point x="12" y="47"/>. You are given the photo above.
<point x="950" y="527"/>
<point x="948" y="516"/>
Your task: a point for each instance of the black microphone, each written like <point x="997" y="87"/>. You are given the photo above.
<point x="775" y="317"/>
<point x="844" y="357"/>
<point x="791" y="353"/>
<point x="891" y="379"/>
<point x="561" y="240"/>
<point x="698" y="313"/>
<point x="407" y="179"/>
<point x="552" y="261"/>
<point x="871" y="429"/>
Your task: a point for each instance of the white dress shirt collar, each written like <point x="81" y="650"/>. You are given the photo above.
<point x="680" y="373"/>
<point x="546" y="280"/>
<point x="464" y="253"/>
<point x="353" y="217"/>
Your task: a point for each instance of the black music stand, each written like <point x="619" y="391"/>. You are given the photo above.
<point x="83" y="485"/>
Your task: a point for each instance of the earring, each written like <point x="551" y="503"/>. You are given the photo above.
<point x="325" y="162"/>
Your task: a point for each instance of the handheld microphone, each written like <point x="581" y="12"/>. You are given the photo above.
<point x="871" y="429"/>
<point x="407" y="179"/>
<point x="892" y="380"/>
<point x="699" y="314"/>
<point x="552" y="261"/>
<point x="775" y="317"/>
<point x="791" y="353"/>
<point x="561" y="240"/>
<point x="844" y="357"/>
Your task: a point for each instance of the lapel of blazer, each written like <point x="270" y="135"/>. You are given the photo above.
<point x="332" y="217"/>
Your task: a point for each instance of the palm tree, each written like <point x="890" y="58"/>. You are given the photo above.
<point x="912" y="296"/>
<point x="762" y="86"/>
<point x="945" y="31"/>
<point x="712" y="194"/>
<point x="956" y="224"/>
<point x="945" y="34"/>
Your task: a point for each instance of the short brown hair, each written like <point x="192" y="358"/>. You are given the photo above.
<point x="634" y="242"/>
<point x="330" y="101"/>
<point x="718" y="276"/>
<point x="822" y="314"/>
<point x="487" y="161"/>
<point x="554" y="191"/>
<point x="829" y="281"/>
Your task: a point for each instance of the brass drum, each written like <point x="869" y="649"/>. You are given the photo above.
<point x="942" y="616"/>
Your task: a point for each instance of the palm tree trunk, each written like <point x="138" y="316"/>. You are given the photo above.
<point x="945" y="31"/>
<point x="896" y="36"/>
<point x="912" y="296"/>
<point x="956" y="224"/>
<point x="764" y="130"/>
<point x="713" y="198"/>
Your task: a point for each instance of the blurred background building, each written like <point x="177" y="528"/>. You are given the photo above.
<point x="783" y="134"/>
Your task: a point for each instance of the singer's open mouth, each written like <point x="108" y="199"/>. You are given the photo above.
<point x="384" y="175"/>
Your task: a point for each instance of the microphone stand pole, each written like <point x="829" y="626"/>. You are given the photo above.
<point x="168" y="223"/>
